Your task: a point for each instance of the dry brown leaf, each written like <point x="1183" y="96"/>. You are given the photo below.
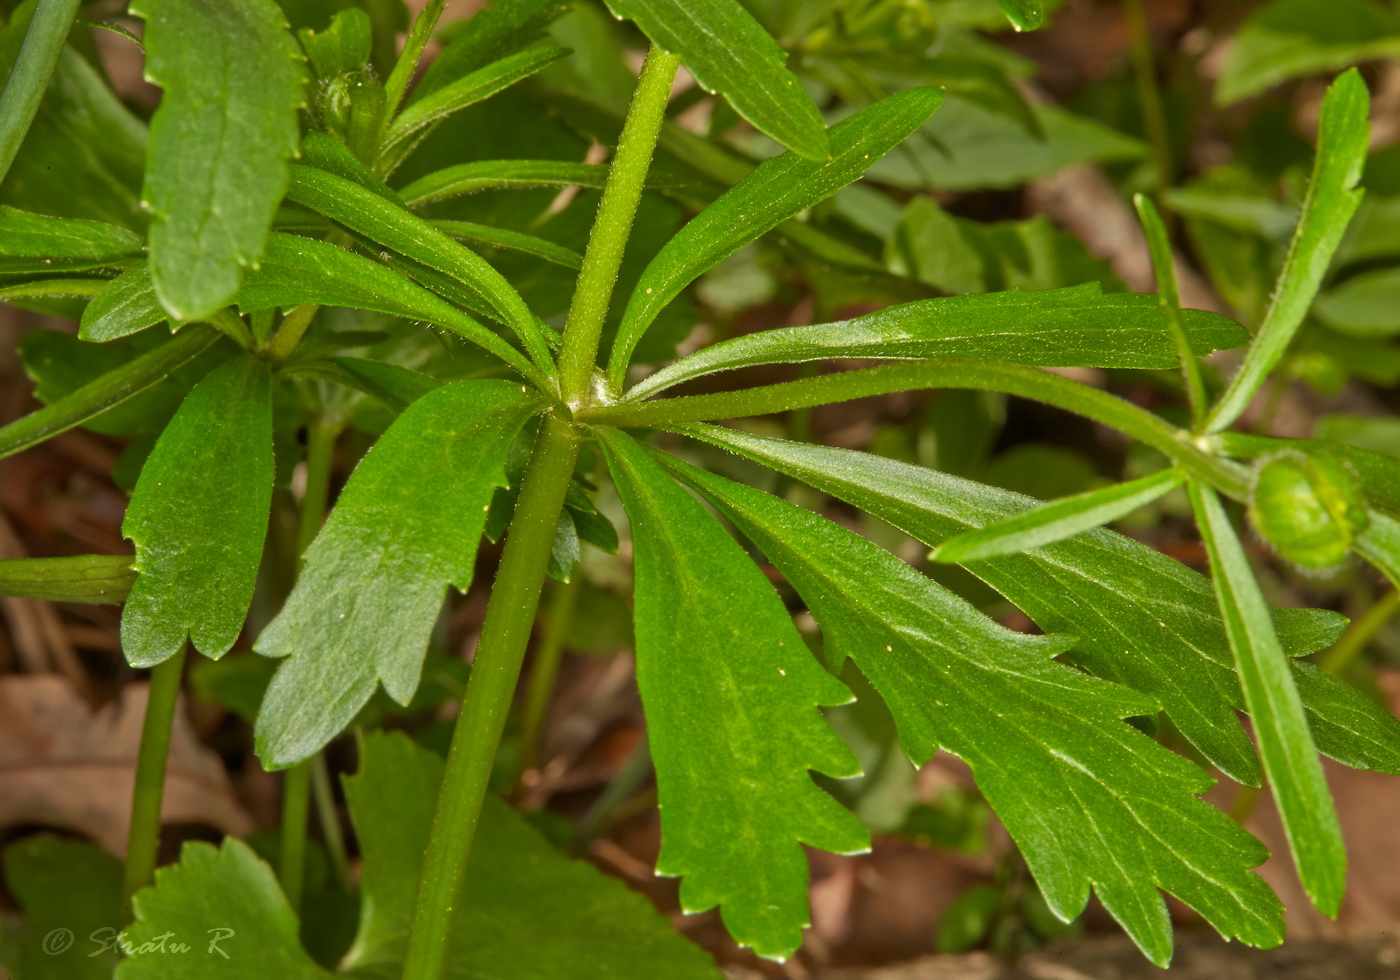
<point x="65" y="766"/>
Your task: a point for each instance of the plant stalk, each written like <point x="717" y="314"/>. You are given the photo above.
<point x="1154" y="120"/>
<point x="543" y="671"/>
<point x="290" y="331"/>
<point x="143" y="839"/>
<point x="1360" y="633"/>
<point x="296" y="807"/>
<point x="584" y="327"/>
<point x="330" y="824"/>
<point x="38" y="57"/>
<point x="495" y="671"/>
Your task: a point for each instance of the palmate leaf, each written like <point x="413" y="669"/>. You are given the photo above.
<point x="220" y="141"/>
<point x="406" y="526"/>
<point x="1089" y="799"/>
<point x="40" y="243"/>
<point x="1075" y="326"/>
<point x="730" y="692"/>
<point x="777" y="190"/>
<point x="1285" y="744"/>
<point x="528" y="913"/>
<point x="730" y="53"/>
<point x="198" y="517"/>
<point x="1142" y="620"/>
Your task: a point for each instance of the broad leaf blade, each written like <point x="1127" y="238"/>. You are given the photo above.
<point x="731" y="693"/>
<point x="1078" y="326"/>
<point x="1058" y="519"/>
<point x="127" y="305"/>
<point x="1332" y="199"/>
<point x="406" y="527"/>
<point x="467" y="90"/>
<point x="730" y="53"/>
<point x="776" y="190"/>
<point x="110" y="389"/>
<point x="367" y="213"/>
<point x="529" y="911"/>
<point x="40" y="243"/>
<point x="82" y="578"/>
<point x="1090" y="800"/>
<point x="1285" y="744"/>
<point x="302" y="270"/>
<point x="198" y="518"/>
<point x="226" y="905"/>
<point x="1142" y="620"/>
<point x="220" y="141"/>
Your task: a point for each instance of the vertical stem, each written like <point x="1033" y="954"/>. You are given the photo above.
<point x="38" y="56"/>
<point x="290" y="331"/>
<point x="320" y="444"/>
<point x="1160" y="248"/>
<point x="330" y="824"/>
<point x="509" y="618"/>
<point x="1154" y="120"/>
<point x="584" y="327"/>
<point x="143" y="840"/>
<point x="296" y="805"/>
<point x="544" y="670"/>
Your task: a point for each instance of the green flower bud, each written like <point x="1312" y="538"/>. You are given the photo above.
<point x="1310" y="508"/>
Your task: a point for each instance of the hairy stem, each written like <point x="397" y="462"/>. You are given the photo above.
<point x="38" y="57"/>
<point x="584" y="327"/>
<point x="143" y="839"/>
<point x="495" y="671"/>
<point x="944" y="372"/>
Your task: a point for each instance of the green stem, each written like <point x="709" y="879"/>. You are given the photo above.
<point x="1361" y="632"/>
<point x="1154" y="120"/>
<point x="296" y="807"/>
<point x="944" y="372"/>
<point x="330" y="823"/>
<point x="635" y="769"/>
<point x="1160" y="248"/>
<point x="495" y="671"/>
<point x="290" y="331"/>
<point x="143" y="839"/>
<point x="544" y="670"/>
<point x="321" y="437"/>
<point x="417" y="40"/>
<point x="38" y="57"/>
<point x="584" y="327"/>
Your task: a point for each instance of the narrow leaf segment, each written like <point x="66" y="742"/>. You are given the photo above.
<point x="776" y="191"/>
<point x="220" y="141"/>
<point x="721" y="669"/>
<point x="730" y="53"/>
<point x="406" y="526"/>
<point x="40" y="243"/>
<point x="1285" y="745"/>
<point x="1090" y="800"/>
<point x="198" y="518"/>
<point x="1058" y="519"/>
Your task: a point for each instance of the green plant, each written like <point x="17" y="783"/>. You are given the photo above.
<point x="247" y="253"/>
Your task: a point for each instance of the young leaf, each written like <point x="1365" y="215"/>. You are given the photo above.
<point x="369" y="214"/>
<point x="1332" y="198"/>
<point x="1090" y="800"/>
<point x="530" y="910"/>
<point x="342" y="47"/>
<point x="493" y="32"/>
<point x="487" y="175"/>
<point x="111" y="389"/>
<point x="81" y="578"/>
<point x="467" y="90"/>
<point x="1075" y="326"/>
<point x="198" y="518"/>
<point x="406" y="526"/>
<point x="1161" y="636"/>
<point x="302" y="270"/>
<point x="39" y="243"/>
<point x="730" y="692"/>
<point x="220" y="142"/>
<point x="1057" y="519"/>
<point x="225" y="904"/>
<point x="127" y="305"/>
<point x="730" y="53"/>
<point x="1285" y="745"/>
<point x="778" y="189"/>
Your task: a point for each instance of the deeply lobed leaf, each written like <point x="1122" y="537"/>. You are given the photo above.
<point x="406" y="526"/>
<point x="722" y="672"/>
